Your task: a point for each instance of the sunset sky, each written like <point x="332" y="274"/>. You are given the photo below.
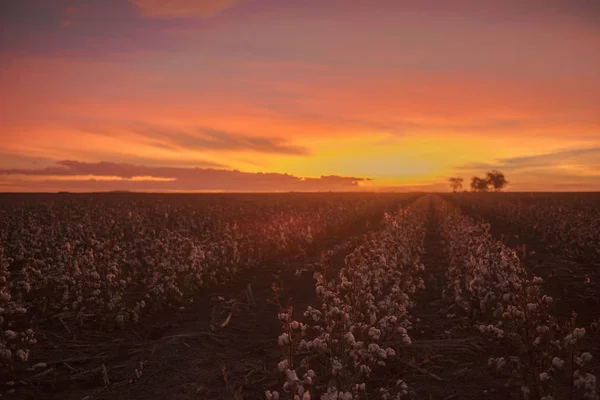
<point x="261" y="95"/>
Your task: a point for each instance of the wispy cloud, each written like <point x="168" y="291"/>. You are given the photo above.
<point x="173" y="9"/>
<point x="139" y="177"/>
<point x="212" y="139"/>
<point x="587" y="157"/>
<point x="197" y="139"/>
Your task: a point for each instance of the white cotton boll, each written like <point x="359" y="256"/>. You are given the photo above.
<point x="291" y="375"/>
<point x="402" y="384"/>
<point x="537" y="341"/>
<point x="283" y="365"/>
<point x="579" y="333"/>
<point x="272" y="395"/>
<point x="542" y="329"/>
<point x="544" y="377"/>
<point x="10" y="335"/>
<point x="586" y="357"/>
<point x="283" y="317"/>
<point x="22" y="355"/>
<point x="349" y="337"/>
<point x="531" y="307"/>
<point x="501" y="363"/>
<point x="374" y="333"/>
<point x="336" y="366"/>
<point x="373" y="347"/>
<point x="547" y="299"/>
<point x="569" y="339"/>
<point x="558" y="363"/>
<point x="365" y="369"/>
<point x="283" y="339"/>
<point x="295" y="325"/>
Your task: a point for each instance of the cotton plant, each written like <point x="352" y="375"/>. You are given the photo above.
<point x="362" y="314"/>
<point x="568" y="226"/>
<point x="517" y="312"/>
<point x="16" y="335"/>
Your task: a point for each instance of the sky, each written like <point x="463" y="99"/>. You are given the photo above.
<point x="272" y="95"/>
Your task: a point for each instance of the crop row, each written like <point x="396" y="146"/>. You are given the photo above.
<point x="362" y="312"/>
<point x="105" y="264"/>
<point x="544" y="354"/>
<point x="569" y="225"/>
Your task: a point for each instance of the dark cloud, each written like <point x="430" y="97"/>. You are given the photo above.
<point x="184" y="179"/>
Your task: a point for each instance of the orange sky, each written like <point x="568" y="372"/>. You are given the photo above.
<point x="298" y="95"/>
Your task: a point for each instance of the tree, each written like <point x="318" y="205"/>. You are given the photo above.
<point x="479" y="184"/>
<point x="497" y="180"/>
<point x="456" y="183"/>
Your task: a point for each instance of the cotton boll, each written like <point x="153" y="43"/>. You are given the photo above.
<point x="558" y="363"/>
<point x="579" y="333"/>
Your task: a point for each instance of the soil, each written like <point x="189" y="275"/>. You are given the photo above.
<point x="444" y="343"/>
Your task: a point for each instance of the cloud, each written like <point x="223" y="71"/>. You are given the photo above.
<point x="580" y="156"/>
<point x="195" y="139"/>
<point x="174" y="9"/>
<point x="212" y="139"/>
<point x="122" y="176"/>
<point x="587" y="156"/>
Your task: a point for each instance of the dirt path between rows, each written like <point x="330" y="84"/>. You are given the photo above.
<point x="452" y="359"/>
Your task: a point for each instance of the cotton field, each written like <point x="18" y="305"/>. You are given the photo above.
<point x="299" y="296"/>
